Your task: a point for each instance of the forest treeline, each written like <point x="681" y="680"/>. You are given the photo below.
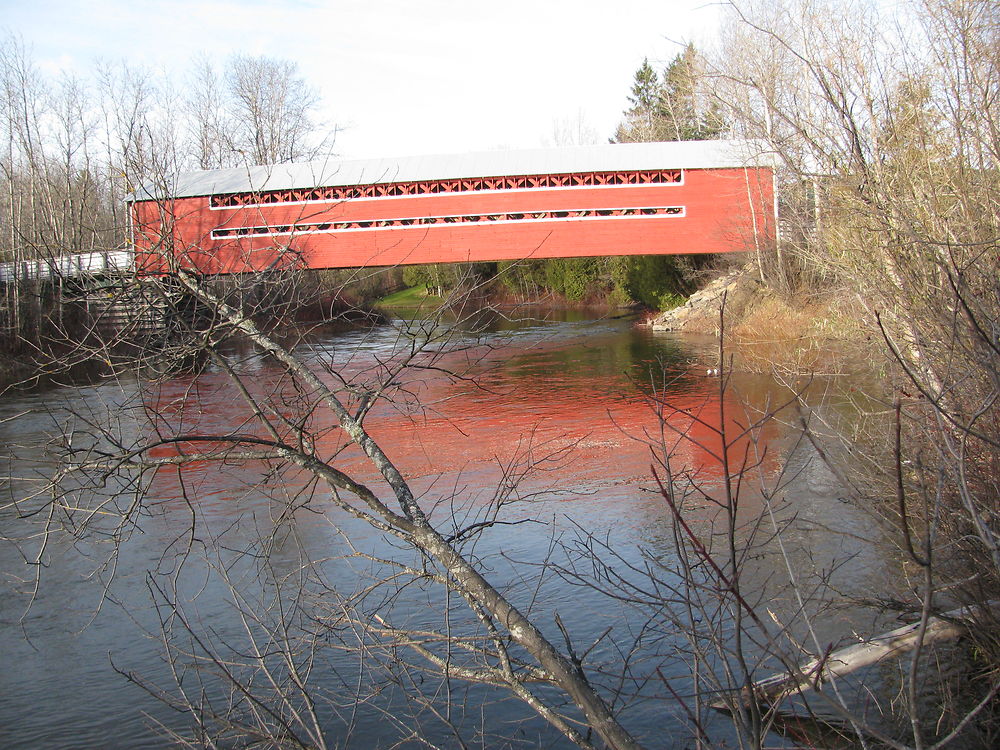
<point x="75" y="146"/>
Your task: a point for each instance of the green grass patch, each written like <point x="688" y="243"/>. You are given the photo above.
<point x="414" y="296"/>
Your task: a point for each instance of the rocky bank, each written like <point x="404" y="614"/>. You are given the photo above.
<point x="700" y="313"/>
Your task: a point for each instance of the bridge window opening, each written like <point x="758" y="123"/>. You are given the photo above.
<point x="409" y="221"/>
<point x="399" y="189"/>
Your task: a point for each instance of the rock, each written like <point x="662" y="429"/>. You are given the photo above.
<point x="700" y="314"/>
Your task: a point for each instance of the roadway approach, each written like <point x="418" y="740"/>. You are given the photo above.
<point x="681" y="197"/>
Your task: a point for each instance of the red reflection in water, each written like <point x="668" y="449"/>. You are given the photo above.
<point x="605" y="439"/>
<point x="576" y="430"/>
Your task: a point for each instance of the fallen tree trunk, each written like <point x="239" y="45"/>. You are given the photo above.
<point x="812" y="674"/>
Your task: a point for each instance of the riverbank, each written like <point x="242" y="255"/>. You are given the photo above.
<point x="801" y="333"/>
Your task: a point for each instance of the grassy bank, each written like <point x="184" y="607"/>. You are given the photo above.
<point x="805" y="331"/>
<point x="802" y="333"/>
<point x="414" y="297"/>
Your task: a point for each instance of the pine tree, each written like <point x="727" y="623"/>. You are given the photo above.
<point x="685" y="107"/>
<point x="642" y="118"/>
<point x="675" y="109"/>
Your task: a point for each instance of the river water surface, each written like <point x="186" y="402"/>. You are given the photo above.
<point x="561" y="421"/>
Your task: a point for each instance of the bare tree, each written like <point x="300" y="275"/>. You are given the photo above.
<point x="76" y="148"/>
<point x="889" y="144"/>
<point x="205" y="106"/>
<point x="272" y="111"/>
<point x="573" y="131"/>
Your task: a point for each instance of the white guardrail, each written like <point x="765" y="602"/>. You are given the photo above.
<point x="68" y="266"/>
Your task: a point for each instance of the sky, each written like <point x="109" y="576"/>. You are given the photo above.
<point x="397" y="78"/>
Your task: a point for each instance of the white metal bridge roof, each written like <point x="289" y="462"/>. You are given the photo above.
<point x="333" y="172"/>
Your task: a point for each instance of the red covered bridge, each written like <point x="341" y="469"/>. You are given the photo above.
<point x="644" y="198"/>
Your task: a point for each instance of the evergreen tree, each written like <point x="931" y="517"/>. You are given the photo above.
<point x="684" y="106"/>
<point x="676" y="108"/>
<point x="642" y="119"/>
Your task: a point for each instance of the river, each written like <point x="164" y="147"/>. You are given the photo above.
<point x="553" y="438"/>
